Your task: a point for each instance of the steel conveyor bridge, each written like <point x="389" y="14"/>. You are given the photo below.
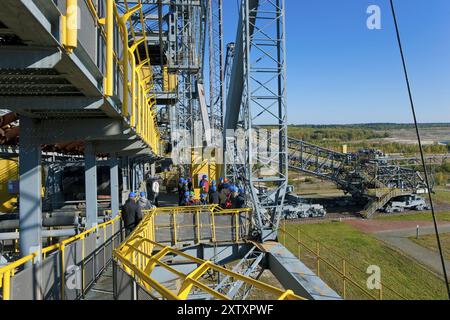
<point x="377" y="179"/>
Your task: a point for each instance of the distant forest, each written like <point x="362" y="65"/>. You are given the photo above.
<point x="371" y="136"/>
<point x="363" y="136"/>
<point x="374" y="126"/>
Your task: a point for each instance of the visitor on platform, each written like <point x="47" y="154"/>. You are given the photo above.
<point x="226" y="184"/>
<point x="154" y="193"/>
<point x="238" y="198"/>
<point x="143" y="202"/>
<point x="204" y="183"/>
<point x="214" y="196"/>
<point x="213" y="185"/>
<point x="192" y="200"/>
<point x="204" y="199"/>
<point x="225" y="198"/>
<point x="181" y="191"/>
<point x="131" y="214"/>
<point x="190" y="185"/>
<point x="186" y="199"/>
<point x="220" y="186"/>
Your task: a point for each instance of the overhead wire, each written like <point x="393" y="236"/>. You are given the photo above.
<point x="427" y="180"/>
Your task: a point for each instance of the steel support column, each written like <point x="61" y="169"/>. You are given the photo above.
<point x="90" y="185"/>
<point x="114" y="181"/>
<point x="30" y="184"/>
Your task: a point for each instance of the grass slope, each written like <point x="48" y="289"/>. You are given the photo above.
<point x="423" y="216"/>
<point x="398" y="272"/>
<point x="429" y="242"/>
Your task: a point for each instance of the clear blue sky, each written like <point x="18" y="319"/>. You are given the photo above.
<point x="341" y="72"/>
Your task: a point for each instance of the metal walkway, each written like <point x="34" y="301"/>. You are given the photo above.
<point x="186" y="265"/>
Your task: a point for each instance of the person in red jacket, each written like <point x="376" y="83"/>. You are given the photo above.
<point x="204" y="184"/>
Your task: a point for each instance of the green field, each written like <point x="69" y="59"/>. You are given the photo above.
<point x="338" y="240"/>
<point x="423" y="216"/>
<point x="429" y="242"/>
<point x="442" y="196"/>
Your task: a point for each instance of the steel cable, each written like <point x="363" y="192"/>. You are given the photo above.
<point x="413" y="109"/>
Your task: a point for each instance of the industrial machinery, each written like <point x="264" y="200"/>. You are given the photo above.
<point x="408" y="202"/>
<point x="296" y="207"/>
<point x="367" y="174"/>
<point x="121" y="84"/>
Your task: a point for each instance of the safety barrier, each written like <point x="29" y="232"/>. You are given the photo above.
<point x="140" y="257"/>
<point x="114" y="38"/>
<point x="66" y="270"/>
<point x="200" y="224"/>
<point x="337" y="271"/>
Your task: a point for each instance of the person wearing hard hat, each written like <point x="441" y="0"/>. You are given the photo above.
<point x="186" y="199"/>
<point x="220" y="186"/>
<point x="181" y="191"/>
<point x="143" y="202"/>
<point x="204" y="199"/>
<point x="190" y="184"/>
<point x="204" y="183"/>
<point x="214" y="196"/>
<point x="131" y="214"/>
<point x="238" y="199"/>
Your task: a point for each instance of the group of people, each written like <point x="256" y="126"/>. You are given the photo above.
<point x="224" y="194"/>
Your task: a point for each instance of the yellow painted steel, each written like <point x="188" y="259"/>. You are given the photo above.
<point x="170" y="81"/>
<point x="200" y="167"/>
<point x="109" y="78"/>
<point x="9" y="171"/>
<point x="9" y="271"/>
<point x="71" y="25"/>
<point x="140" y="254"/>
<point x="138" y="97"/>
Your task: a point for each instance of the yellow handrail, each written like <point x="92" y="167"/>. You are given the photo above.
<point x="138" y="100"/>
<point x="9" y="270"/>
<point x="140" y="254"/>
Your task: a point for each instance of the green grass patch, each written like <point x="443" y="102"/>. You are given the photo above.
<point x="339" y="241"/>
<point x="429" y="242"/>
<point x="442" y="196"/>
<point x="423" y="216"/>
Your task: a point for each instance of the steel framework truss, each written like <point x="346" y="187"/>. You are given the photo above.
<point x="216" y="64"/>
<point x="351" y="173"/>
<point x="264" y="105"/>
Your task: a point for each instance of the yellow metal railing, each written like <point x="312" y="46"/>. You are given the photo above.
<point x="134" y="67"/>
<point x="239" y="224"/>
<point x="330" y="265"/>
<point x="7" y="272"/>
<point x="140" y="254"/>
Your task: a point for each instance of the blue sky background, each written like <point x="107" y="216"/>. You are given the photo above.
<point x="340" y="72"/>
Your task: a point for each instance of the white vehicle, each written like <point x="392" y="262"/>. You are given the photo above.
<point x="410" y="202"/>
